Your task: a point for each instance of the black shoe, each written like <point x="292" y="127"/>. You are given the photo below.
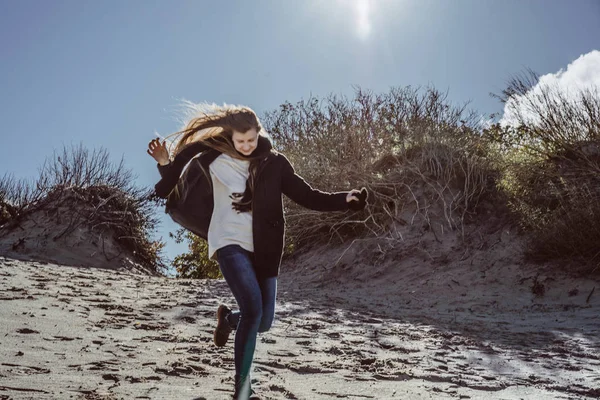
<point x="223" y="329"/>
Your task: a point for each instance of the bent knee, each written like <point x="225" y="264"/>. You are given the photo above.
<point x="251" y="315"/>
<point x="265" y="325"/>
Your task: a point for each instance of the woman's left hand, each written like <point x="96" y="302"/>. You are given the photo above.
<point x="352" y="195"/>
<point x="357" y="199"/>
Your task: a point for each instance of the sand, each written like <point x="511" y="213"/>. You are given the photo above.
<point x="403" y="326"/>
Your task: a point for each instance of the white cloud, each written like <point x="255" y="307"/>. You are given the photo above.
<point x="581" y="74"/>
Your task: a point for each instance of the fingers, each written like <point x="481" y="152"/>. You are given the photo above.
<point x="156" y="149"/>
<point x="152" y="154"/>
<point x="156" y="142"/>
<point x="358" y="195"/>
<point x="155" y="145"/>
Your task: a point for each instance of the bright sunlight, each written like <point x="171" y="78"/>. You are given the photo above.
<point x="363" y="23"/>
<point x="355" y="14"/>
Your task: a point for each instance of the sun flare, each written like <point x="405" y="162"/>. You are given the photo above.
<point x="356" y="15"/>
<point x="362" y="9"/>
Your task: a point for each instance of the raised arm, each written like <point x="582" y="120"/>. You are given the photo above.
<point x="170" y="172"/>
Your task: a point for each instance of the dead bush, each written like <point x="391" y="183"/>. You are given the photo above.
<point x="419" y="156"/>
<point x="552" y="173"/>
<point x="97" y="195"/>
<point x="422" y="159"/>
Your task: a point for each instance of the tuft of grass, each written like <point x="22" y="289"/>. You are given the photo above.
<point x="101" y="195"/>
<point x="410" y="147"/>
<point x="551" y="168"/>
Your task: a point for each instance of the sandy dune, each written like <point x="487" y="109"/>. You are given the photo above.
<point x="81" y="333"/>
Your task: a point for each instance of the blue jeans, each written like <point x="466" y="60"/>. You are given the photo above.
<point x="255" y="299"/>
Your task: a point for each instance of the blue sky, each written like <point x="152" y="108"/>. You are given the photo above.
<point x="111" y="73"/>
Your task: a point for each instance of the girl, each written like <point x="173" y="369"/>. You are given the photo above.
<point x="242" y="186"/>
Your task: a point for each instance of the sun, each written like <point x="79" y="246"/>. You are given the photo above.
<point x="362" y="9"/>
<point x="357" y="15"/>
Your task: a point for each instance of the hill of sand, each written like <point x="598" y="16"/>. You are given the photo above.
<point x="64" y="229"/>
<point x="406" y="326"/>
<point x="428" y="314"/>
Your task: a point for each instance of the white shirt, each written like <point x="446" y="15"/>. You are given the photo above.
<point x="227" y="226"/>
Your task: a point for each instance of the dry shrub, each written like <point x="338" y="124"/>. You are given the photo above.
<point x="553" y="167"/>
<point x="557" y="198"/>
<point x="419" y="156"/>
<point x="91" y="192"/>
<point x="434" y="181"/>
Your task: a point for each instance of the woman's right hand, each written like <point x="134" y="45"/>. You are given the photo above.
<point x="158" y="151"/>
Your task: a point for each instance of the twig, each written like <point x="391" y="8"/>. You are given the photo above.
<point x="344" y="252"/>
<point x="590" y="295"/>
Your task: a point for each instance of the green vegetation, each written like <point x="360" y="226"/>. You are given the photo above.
<point x="195" y="263"/>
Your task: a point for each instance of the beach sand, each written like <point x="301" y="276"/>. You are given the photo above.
<point x="400" y="327"/>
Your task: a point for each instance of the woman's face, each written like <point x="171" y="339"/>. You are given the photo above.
<point x="245" y="142"/>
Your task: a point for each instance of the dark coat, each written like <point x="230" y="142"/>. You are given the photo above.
<point x="275" y="177"/>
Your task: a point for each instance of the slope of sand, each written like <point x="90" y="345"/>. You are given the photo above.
<point x="405" y="325"/>
<point x="64" y="231"/>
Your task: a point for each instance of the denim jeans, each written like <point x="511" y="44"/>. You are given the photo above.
<point x="255" y="299"/>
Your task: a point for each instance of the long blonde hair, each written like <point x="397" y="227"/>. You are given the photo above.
<point x="214" y="125"/>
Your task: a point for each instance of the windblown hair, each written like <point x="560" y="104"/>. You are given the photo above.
<point x="214" y="125"/>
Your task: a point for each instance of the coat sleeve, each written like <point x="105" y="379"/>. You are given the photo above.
<point x="163" y="170"/>
<point x="296" y="188"/>
<point x="170" y="172"/>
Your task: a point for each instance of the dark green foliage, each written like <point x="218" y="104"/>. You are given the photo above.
<point x="195" y="263"/>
